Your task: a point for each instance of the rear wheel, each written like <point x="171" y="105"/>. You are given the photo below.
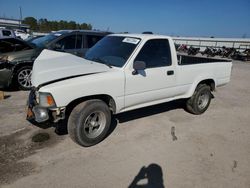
<point x="200" y="100"/>
<point x="89" y="122"/>
<point x="24" y="78"/>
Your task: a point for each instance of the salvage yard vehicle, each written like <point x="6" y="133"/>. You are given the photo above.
<point x="193" y="51"/>
<point x="121" y="72"/>
<point x="14" y="45"/>
<point x="6" y="33"/>
<point x="16" y="67"/>
<point x="243" y="56"/>
<point x="21" y="34"/>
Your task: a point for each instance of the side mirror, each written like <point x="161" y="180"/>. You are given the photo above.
<point x="16" y="45"/>
<point x="138" y="66"/>
<point x="56" y="46"/>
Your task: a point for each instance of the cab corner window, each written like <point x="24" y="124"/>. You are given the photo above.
<point x="155" y="53"/>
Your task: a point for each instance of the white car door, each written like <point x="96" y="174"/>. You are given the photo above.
<point x="157" y="81"/>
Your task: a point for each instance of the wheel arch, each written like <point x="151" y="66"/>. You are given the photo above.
<point x="208" y="81"/>
<point x="20" y="65"/>
<point x="104" y="97"/>
<point x="17" y="67"/>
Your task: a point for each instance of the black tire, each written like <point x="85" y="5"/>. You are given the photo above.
<point x="22" y="84"/>
<point x="81" y="116"/>
<point x="193" y="104"/>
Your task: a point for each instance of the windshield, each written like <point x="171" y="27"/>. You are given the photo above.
<point x="42" y="41"/>
<point x="112" y="50"/>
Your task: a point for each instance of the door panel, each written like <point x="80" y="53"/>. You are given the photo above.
<point x="78" y="46"/>
<point x="157" y="81"/>
<point x="149" y="85"/>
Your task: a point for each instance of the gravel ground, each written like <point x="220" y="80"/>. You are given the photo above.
<point x="159" y="146"/>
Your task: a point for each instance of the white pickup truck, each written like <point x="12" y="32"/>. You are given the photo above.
<point x="121" y="72"/>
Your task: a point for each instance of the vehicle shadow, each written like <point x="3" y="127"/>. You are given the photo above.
<point x="152" y="175"/>
<point x="7" y="96"/>
<point x="150" y="110"/>
<point x="61" y="126"/>
<point x="145" y="112"/>
<point x="11" y="88"/>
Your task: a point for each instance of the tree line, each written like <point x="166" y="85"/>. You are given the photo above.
<point x="44" y="25"/>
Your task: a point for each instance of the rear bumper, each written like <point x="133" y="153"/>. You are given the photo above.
<point x="39" y="115"/>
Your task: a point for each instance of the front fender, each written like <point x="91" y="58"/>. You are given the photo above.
<point x="108" y="83"/>
<point x="18" y="65"/>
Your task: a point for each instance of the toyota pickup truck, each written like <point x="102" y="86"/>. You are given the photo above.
<point x="121" y="72"/>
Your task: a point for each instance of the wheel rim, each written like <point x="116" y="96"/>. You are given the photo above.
<point x="203" y="100"/>
<point x="94" y="124"/>
<point x="24" y="78"/>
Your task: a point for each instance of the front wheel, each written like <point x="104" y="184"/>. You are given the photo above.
<point x="24" y="78"/>
<point x="89" y="122"/>
<point x="200" y="100"/>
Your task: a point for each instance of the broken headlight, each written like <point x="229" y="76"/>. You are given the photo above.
<point x="45" y="99"/>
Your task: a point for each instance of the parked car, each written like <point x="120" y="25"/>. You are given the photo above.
<point x="21" y="34"/>
<point x="121" y="72"/>
<point x="31" y="38"/>
<point x="6" y="33"/>
<point x="16" y="67"/>
<point x="14" y="45"/>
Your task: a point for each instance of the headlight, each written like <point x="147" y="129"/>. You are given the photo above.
<point x="4" y="58"/>
<point x="45" y="99"/>
<point x="4" y="63"/>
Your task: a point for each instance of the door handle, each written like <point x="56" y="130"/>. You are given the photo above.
<point x="170" y="72"/>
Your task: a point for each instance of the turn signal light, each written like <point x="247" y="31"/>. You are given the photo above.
<point x="50" y="100"/>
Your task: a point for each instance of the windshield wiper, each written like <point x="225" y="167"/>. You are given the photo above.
<point x="99" y="60"/>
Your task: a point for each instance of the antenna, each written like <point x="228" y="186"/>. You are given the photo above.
<point x="21" y="17"/>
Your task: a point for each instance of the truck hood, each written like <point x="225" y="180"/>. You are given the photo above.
<point x="52" y="66"/>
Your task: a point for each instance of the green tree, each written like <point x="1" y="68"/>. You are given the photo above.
<point x="32" y="22"/>
<point x="86" y="26"/>
<point x="44" y="25"/>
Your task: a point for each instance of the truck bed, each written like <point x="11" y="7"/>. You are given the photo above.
<point x="189" y="60"/>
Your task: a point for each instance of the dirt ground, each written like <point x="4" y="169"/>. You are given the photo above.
<point x="158" y="146"/>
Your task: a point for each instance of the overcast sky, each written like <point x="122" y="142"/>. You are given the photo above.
<point x="221" y="18"/>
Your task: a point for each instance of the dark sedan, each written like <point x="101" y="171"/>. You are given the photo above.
<point x="14" y="45"/>
<point x="16" y="67"/>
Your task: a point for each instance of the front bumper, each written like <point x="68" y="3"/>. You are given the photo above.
<point x="5" y="77"/>
<point x="38" y="114"/>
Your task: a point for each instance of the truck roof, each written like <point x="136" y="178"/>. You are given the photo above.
<point x="142" y="36"/>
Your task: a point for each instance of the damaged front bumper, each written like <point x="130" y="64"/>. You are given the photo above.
<point x="6" y="74"/>
<point x="38" y="114"/>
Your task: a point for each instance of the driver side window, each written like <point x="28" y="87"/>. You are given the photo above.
<point x="66" y="43"/>
<point x="155" y="53"/>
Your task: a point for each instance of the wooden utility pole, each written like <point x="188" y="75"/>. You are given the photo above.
<point x="1" y="95"/>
